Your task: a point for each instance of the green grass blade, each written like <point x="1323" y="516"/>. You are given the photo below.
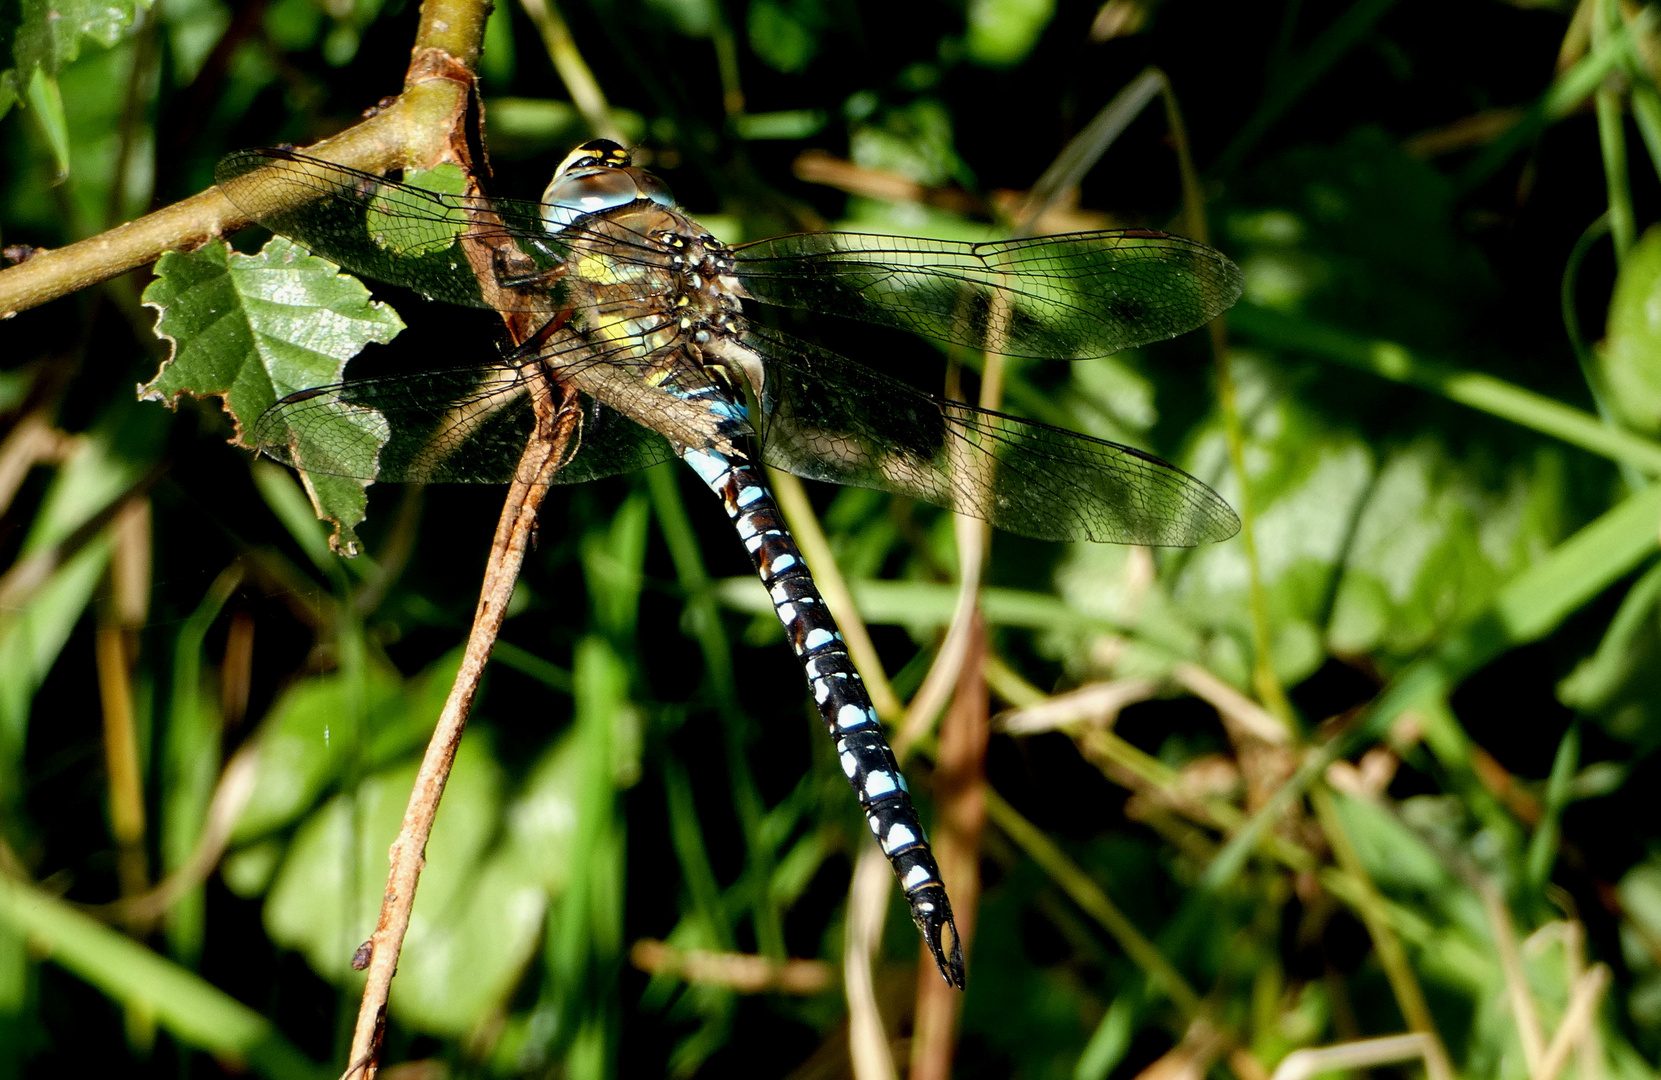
<point x="1482" y="392"/>
<point x="190" y="1008"/>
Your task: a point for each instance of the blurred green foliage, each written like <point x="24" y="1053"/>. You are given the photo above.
<point x="1445" y="375"/>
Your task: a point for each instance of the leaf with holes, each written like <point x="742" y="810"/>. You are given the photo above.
<point x="250" y="329"/>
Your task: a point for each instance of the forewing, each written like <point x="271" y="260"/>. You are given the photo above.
<point x="433" y="241"/>
<point x="1059" y="297"/>
<point x="827" y="418"/>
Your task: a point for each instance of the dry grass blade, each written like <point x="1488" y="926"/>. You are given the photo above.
<point x="1098" y="704"/>
<point x="1300" y="1064"/>
<point x="868" y="896"/>
<point x="744" y="973"/>
<point x="1577" y="1027"/>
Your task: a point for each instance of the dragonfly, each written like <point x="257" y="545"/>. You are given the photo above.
<point x="640" y="312"/>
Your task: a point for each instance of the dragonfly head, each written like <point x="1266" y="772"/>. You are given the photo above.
<point x="598" y="175"/>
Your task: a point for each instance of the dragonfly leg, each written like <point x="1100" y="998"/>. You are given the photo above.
<point x="840" y="694"/>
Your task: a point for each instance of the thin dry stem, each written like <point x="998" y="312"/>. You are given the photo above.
<point x="960" y="795"/>
<point x="1516" y="984"/>
<point x="937" y="686"/>
<point x="1374" y="912"/>
<point x="1315" y="1061"/>
<point x="230" y="796"/>
<point x="513" y="532"/>
<point x="868" y="895"/>
<point x="1235" y="708"/>
<point x="573" y="70"/>
<point x="1577" y="1025"/>
<point x="744" y="973"/>
<point x="1588" y="1050"/>
<point x="34" y="441"/>
<point x="1098" y="704"/>
<point x="126" y="789"/>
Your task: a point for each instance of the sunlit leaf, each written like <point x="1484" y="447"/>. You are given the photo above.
<point x="326" y="896"/>
<point x="1309" y="478"/>
<point x="250" y="329"/>
<point x="1436" y="539"/>
<point x="1630" y="359"/>
<point x="1003" y="32"/>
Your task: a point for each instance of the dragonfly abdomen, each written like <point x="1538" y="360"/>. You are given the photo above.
<point x="843" y="703"/>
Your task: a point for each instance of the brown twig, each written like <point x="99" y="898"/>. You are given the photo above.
<point x="960" y="793"/>
<point x="413" y="128"/>
<point x="542" y="456"/>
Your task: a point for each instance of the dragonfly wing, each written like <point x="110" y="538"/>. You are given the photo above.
<point x="1058" y="297"/>
<point x="827" y="418"/>
<point x="437" y="242"/>
<point x="392" y="232"/>
<point x="468" y="426"/>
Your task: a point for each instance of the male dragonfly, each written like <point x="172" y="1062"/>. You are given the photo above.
<point x="641" y="314"/>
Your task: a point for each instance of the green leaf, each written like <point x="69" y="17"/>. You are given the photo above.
<point x="1360" y="235"/>
<point x="41" y="37"/>
<point x="1436" y="539"/>
<point x="1640" y="895"/>
<point x="293" y="25"/>
<point x="490" y="873"/>
<point x="1003" y="32"/>
<point x="192" y="1009"/>
<point x="328" y="892"/>
<point x="251" y="329"/>
<point x="693" y="18"/>
<point x="787" y="124"/>
<point x="1630" y="359"/>
<point x="1363" y="556"/>
<point x="1309" y="479"/>
<point x="46" y="98"/>
<point x="785" y="35"/>
<point x="300" y="753"/>
<point x="914" y="141"/>
<point x="307" y="743"/>
<point x="1620" y="684"/>
<point x="391" y="226"/>
<point x="457" y="968"/>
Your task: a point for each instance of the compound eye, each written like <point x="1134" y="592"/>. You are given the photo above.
<point x="595" y="152"/>
<point x="650" y="187"/>
<point x="586" y="190"/>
